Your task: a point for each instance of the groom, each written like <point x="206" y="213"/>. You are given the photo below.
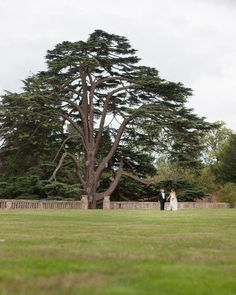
<point x="162" y="198"/>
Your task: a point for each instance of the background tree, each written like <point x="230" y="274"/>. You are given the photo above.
<point x="225" y="169"/>
<point x="214" y="142"/>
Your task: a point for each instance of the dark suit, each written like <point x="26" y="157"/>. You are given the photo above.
<point x="162" y="200"/>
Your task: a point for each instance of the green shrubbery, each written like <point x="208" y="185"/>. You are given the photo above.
<point x="227" y="193"/>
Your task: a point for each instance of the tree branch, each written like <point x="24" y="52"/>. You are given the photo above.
<point x="105" y="160"/>
<point x="153" y="180"/>
<point x="104" y="113"/>
<point x="83" y="117"/>
<point x="77" y="128"/>
<point x="122" y="173"/>
<point x="113" y="185"/>
<point x="72" y="90"/>
<point x="98" y="82"/>
<point x="91" y="111"/>
<point x="61" y="147"/>
<point x="85" y="107"/>
<point x="77" y="166"/>
<point x="53" y="177"/>
<point x="75" y="105"/>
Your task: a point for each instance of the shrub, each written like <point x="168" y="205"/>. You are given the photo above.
<point x="227" y="193"/>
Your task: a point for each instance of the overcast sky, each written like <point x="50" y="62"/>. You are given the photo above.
<point x="191" y="41"/>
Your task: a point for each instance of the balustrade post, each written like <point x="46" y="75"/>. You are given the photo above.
<point x="84" y="202"/>
<point x="106" y="202"/>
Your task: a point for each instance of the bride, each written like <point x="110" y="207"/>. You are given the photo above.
<point x="173" y="200"/>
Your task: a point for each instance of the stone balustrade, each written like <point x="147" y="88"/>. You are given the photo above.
<point x="39" y="204"/>
<point x="156" y="205"/>
<point x="107" y="204"/>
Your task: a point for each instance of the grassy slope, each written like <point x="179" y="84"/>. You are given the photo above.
<point x="118" y="252"/>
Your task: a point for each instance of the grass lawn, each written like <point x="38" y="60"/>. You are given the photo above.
<point x="191" y="251"/>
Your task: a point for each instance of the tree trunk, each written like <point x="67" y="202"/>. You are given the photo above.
<point x="93" y="203"/>
<point x="91" y="181"/>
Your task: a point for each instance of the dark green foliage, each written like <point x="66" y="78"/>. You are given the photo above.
<point x="33" y="183"/>
<point x="187" y="190"/>
<point x="131" y="190"/>
<point x="30" y="145"/>
<point x="186" y="181"/>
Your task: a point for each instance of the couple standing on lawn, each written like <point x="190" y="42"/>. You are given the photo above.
<point x="173" y="199"/>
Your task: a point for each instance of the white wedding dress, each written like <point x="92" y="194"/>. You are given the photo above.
<point x="173" y="202"/>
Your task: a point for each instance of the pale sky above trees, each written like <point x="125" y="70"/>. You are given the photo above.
<point x="192" y="41"/>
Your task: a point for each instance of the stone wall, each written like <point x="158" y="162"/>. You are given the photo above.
<point x="156" y="205"/>
<point x="107" y="204"/>
<point x="40" y="204"/>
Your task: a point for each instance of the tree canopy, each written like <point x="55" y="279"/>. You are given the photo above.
<point x="225" y="169"/>
<point x="102" y="109"/>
